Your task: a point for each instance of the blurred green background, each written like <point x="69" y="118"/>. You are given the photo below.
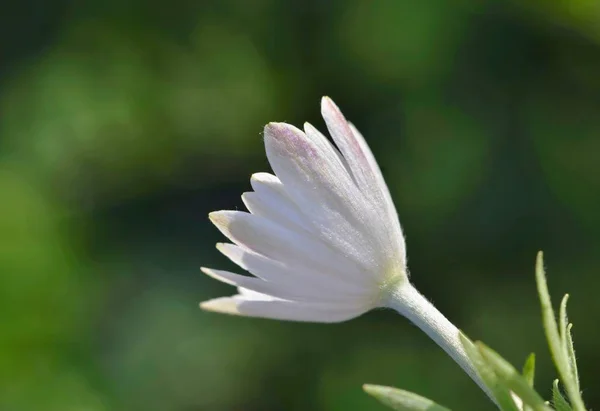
<point x="122" y="124"/>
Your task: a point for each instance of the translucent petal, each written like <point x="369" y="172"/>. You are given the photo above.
<point x="301" y="292"/>
<point x="320" y="140"/>
<point x="283" y="309"/>
<point x="281" y="244"/>
<point x="319" y="184"/>
<point x="365" y="171"/>
<point x="334" y="285"/>
<point x="271" y="201"/>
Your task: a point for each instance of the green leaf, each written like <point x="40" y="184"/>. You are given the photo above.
<point x="401" y="400"/>
<point x="557" y="348"/>
<point x="562" y="318"/>
<point x="548" y="319"/>
<point x="500" y="392"/>
<point x="559" y="402"/>
<point x="571" y="356"/>
<point x="529" y="373"/>
<point x="529" y="369"/>
<point x="512" y="379"/>
<point x="567" y="340"/>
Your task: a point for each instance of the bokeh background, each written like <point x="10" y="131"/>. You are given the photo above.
<point x="123" y="123"/>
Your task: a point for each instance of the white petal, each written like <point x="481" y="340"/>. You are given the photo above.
<point x="321" y="141"/>
<point x="295" y="277"/>
<point x="253" y="295"/>
<point x="349" y="146"/>
<point x="319" y="184"/>
<point x="292" y="248"/>
<point x="397" y="236"/>
<point x="271" y="201"/>
<point x="365" y="171"/>
<point x="304" y="292"/>
<point x="224" y="305"/>
<point x="283" y="309"/>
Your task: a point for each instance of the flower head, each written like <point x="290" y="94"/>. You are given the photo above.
<point x="322" y="238"/>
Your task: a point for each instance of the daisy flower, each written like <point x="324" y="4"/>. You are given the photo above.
<point x="322" y="239"/>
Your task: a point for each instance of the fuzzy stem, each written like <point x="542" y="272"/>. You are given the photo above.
<point x="406" y="300"/>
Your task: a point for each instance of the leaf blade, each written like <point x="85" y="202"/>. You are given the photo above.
<point x="558" y="401"/>
<point x="553" y="337"/>
<point x="502" y="395"/>
<point x="401" y="400"/>
<point x="512" y="379"/>
<point x="529" y="369"/>
<point x="529" y="373"/>
<point x="571" y="356"/>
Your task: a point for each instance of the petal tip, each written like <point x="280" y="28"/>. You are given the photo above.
<point x="332" y="115"/>
<point x="224" y="247"/>
<point x="327" y="103"/>
<point x="309" y="128"/>
<point x="218" y="218"/>
<point x="224" y="305"/>
<point x="212" y="273"/>
<point x="282" y="131"/>
<point x="262" y="177"/>
<point x="274" y="128"/>
<point x="205" y="305"/>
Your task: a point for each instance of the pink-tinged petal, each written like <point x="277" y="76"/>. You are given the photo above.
<point x="316" y="137"/>
<point x="397" y="237"/>
<point x="318" y="183"/>
<point x="365" y="170"/>
<point x="351" y="149"/>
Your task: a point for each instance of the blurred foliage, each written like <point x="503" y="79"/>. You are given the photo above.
<point x="122" y="124"/>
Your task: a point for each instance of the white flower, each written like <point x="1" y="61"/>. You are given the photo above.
<point x="322" y="237"/>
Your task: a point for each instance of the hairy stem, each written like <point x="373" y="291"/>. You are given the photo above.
<point x="413" y="305"/>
